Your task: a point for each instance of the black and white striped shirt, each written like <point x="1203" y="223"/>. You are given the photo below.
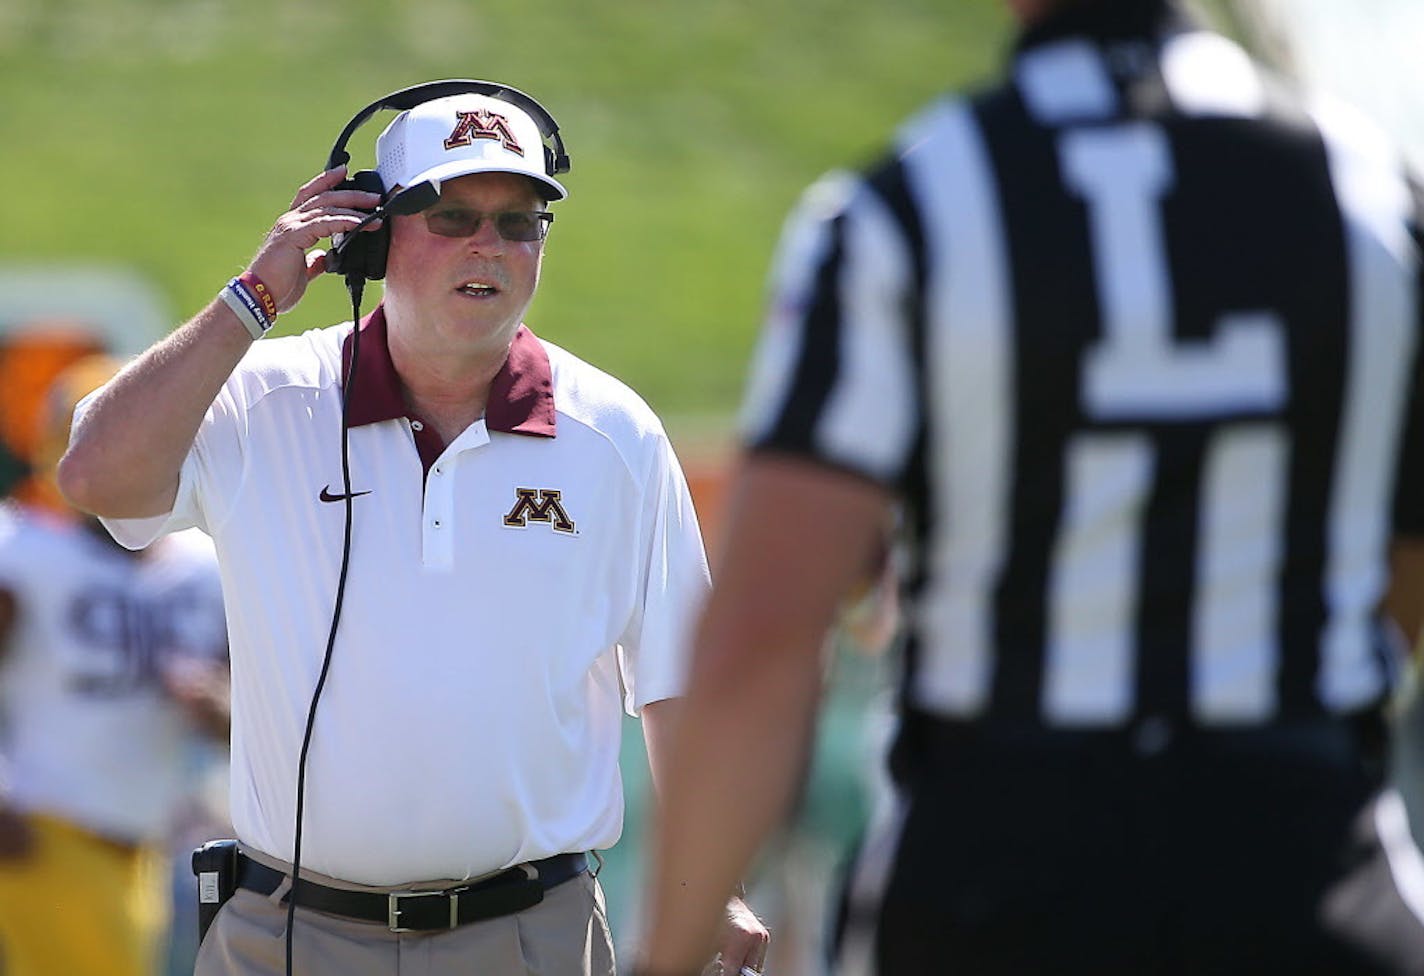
<point x="1135" y="336"/>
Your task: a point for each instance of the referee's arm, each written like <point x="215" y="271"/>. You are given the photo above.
<point x="798" y="540"/>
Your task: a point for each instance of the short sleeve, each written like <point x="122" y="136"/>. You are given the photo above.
<point x="833" y="377"/>
<point x="210" y="473"/>
<point x="672" y="589"/>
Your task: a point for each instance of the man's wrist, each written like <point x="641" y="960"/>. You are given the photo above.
<point x="252" y="302"/>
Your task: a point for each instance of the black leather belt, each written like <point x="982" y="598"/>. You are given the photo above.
<point x="510" y="891"/>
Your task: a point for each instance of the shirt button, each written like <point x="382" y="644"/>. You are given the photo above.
<point x="437" y="470"/>
<point x="435" y="522"/>
<point x="416" y="425"/>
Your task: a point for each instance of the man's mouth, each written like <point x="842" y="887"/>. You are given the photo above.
<point x="479" y="289"/>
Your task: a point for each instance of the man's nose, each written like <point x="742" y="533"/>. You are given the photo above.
<point x="486" y="237"/>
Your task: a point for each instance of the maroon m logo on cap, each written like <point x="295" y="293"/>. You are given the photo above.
<point x="482" y="124"/>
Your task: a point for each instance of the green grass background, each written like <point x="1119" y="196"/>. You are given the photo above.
<point x="169" y="134"/>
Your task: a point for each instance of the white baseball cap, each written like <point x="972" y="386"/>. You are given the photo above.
<point x="462" y="134"/>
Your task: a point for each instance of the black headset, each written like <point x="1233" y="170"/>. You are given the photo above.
<point x="364" y="254"/>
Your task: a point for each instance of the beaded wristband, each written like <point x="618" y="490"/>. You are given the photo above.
<point x="252" y="302"/>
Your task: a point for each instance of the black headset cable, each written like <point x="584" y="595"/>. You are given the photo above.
<point x="356" y="284"/>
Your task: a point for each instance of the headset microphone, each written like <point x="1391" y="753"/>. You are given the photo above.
<point x="411" y="200"/>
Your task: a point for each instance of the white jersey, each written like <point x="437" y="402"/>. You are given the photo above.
<point x="87" y="731"/>
<point x="509" y="594"/>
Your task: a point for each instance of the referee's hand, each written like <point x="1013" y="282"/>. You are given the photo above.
<point x="744" y="940"/>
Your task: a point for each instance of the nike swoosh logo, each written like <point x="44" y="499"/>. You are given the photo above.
<point x="327" y="496"/>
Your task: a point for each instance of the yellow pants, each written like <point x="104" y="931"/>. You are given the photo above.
<point x="80" y="905"/>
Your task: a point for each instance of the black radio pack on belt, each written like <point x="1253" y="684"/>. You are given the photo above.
<point x="215" y="865"/>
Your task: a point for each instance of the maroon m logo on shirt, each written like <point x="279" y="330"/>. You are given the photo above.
<point x="539" y="505"/>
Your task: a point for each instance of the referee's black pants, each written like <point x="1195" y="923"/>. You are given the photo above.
<point x="1157" y="851"/>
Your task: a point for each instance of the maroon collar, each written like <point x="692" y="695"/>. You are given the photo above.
<point x="521" y="398"/>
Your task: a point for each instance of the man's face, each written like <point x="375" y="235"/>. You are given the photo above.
<point x="466" y="291"/>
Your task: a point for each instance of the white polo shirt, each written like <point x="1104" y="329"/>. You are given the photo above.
<point x="507" y="593"/>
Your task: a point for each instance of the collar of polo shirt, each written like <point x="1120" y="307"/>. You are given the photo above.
<point x="521" y="398"/>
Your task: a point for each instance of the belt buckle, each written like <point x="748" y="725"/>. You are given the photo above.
<point x="393" y="909"/>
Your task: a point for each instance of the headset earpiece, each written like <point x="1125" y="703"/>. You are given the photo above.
<point x="365" y="253"/>
<point x="556" y="161"/>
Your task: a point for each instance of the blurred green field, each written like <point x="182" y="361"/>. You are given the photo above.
<point x="168" y="134"/>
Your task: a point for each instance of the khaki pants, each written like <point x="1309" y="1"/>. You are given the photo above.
<point x="564" y="935"/>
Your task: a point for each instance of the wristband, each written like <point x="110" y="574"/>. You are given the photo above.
<point x="252" y="302"/>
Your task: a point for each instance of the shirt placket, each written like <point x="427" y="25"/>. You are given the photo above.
<point x="439" y="513"/>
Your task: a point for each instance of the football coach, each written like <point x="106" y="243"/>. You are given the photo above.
<point x="452" y="555"/>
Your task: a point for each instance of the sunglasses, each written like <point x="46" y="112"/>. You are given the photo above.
<point x="512" y="225"/>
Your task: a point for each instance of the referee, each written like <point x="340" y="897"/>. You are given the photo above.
<point x="1134" y="339"/>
